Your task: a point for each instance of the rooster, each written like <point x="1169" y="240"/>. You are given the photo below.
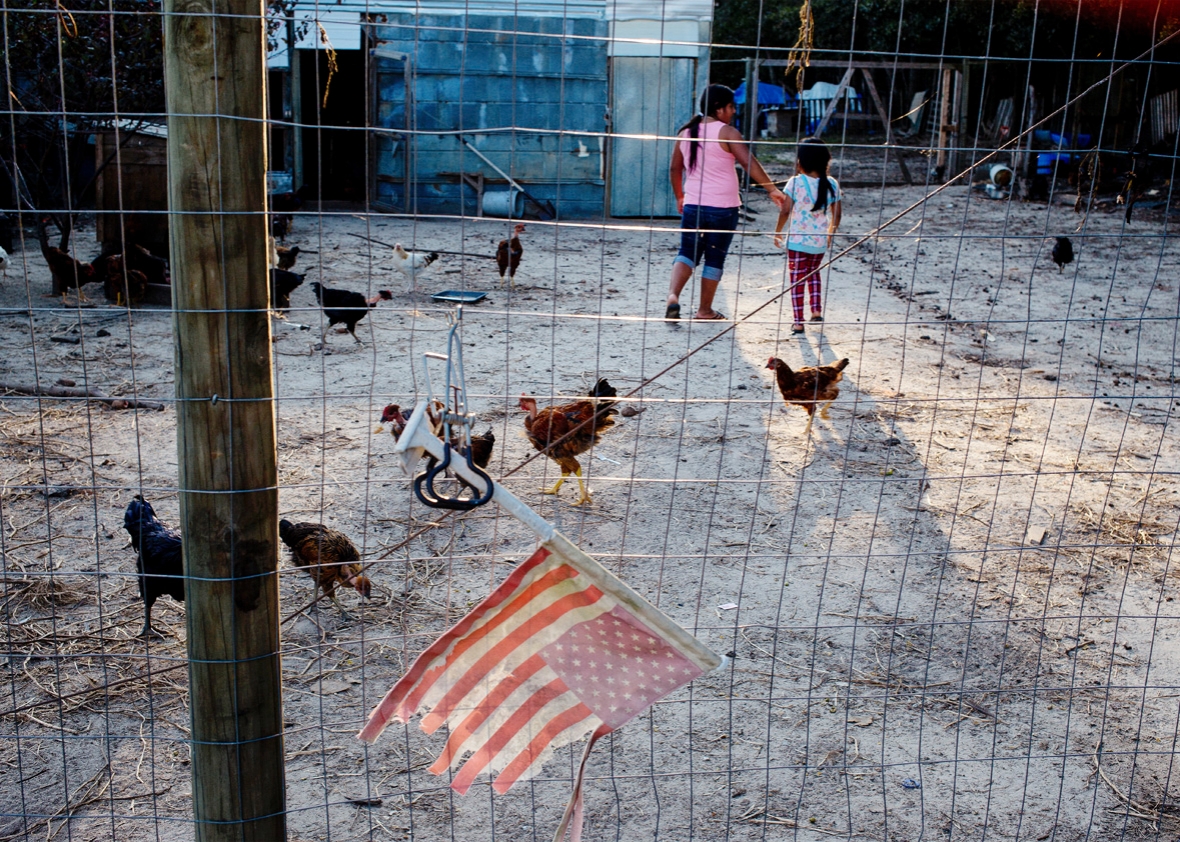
<point x="412" y="263"/>
<point x="808" y="386"/>
<point x="508" y="255"/>
<point x="481" y="446"/>
<point x="327" y="555"/>
<point x="1062" y="253"/>
<point x="282" y="284"/>
<point x="342" y="306"/>
<point x="584" y="420"/>
<point x="67" y="272"/>
<point x="159" y="560"/>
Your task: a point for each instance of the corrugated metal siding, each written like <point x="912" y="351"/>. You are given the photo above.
<point x="598" y="9"/>
<point x="662" y="10"/>
<point x="508" y="83"/>
<point x="652" y="96"/>
<point x="595" y="9"/>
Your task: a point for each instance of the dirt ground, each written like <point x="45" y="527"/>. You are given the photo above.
<point x="954" y="605"/>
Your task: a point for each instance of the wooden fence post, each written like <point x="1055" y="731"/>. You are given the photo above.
<point x="214" y="66"/>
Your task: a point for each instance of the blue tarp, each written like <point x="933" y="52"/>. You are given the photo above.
<point x="768" y="95"/>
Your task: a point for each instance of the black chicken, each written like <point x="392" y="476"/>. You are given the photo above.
<point x="159" y="560"/>
<point x="1062" y="253"/>
<point x="154" y="267"/>
<point x="282" y="284"/>
<point x="342" y="306"/>
<point x="282" y="209"/>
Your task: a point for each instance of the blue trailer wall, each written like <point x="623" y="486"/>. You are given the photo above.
<point x="524" y="91"/>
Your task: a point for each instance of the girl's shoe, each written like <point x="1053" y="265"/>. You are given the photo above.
<point x="797" y="328"/>
<point x="816" y="317"/>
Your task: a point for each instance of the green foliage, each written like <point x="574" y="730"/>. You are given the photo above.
<point x="925" y="29"/>
<point x="78" y="65"/>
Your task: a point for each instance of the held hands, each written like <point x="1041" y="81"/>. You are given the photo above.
<point x="778" y="197"/>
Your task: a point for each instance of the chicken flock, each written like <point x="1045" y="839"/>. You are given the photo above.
<point x="562" y="432"/>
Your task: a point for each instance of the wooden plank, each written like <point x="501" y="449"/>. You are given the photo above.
<point x="214" y="70"/>
<point x="831" y="109"/>
<point x="944" y="110"/>
<point x="876" y="97"/>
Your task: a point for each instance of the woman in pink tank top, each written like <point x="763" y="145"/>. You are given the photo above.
<point x="708" y="196"/>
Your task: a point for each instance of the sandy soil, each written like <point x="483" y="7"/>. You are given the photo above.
<point x="909" y="661"/>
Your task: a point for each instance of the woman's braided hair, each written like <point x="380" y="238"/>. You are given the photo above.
<point x="713" y="99"/>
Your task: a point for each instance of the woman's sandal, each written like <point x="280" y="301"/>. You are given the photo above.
<point x="673" y="312"/>
<point x="713" y="316"/>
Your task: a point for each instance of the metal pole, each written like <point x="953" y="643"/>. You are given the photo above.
<point x="214" y="71"/>
<point x="749" y="118"/>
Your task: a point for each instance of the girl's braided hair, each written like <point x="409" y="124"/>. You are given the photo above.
<point x="814" y="158"/>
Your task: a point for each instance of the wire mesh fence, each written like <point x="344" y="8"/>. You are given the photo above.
<point x="946" y="603"/>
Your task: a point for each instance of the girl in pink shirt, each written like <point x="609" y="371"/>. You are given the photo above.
<point x="811" y="215"/>
<point x="707" y="196"/>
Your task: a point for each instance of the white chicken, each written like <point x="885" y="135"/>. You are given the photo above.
<point x="412" y="263"/>
<point x="3" y="261"/>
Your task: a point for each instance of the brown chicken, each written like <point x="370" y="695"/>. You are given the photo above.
<point x="120" y="284"/>
<point x="809" y="386"/>
<point x="481" y="446"/>
<point x="67" y="272"/>
<point x="589" y="417"/>
<point x="328" y="556"/>
<point x="508" y="255"/>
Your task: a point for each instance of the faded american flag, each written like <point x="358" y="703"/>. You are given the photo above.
<point x="560" y="649"/>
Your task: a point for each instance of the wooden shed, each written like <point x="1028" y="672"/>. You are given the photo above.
<point x="131" y="190"/>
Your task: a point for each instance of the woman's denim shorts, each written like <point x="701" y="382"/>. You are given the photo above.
<point x="706" y="232"/>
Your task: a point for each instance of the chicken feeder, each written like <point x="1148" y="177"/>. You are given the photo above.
<point x="506" y="203"/>
<point x="1000" y="174"/>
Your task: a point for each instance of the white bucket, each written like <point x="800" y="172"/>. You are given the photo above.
<point x="508" y="203"/>
<point x="1000" y="174"/>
